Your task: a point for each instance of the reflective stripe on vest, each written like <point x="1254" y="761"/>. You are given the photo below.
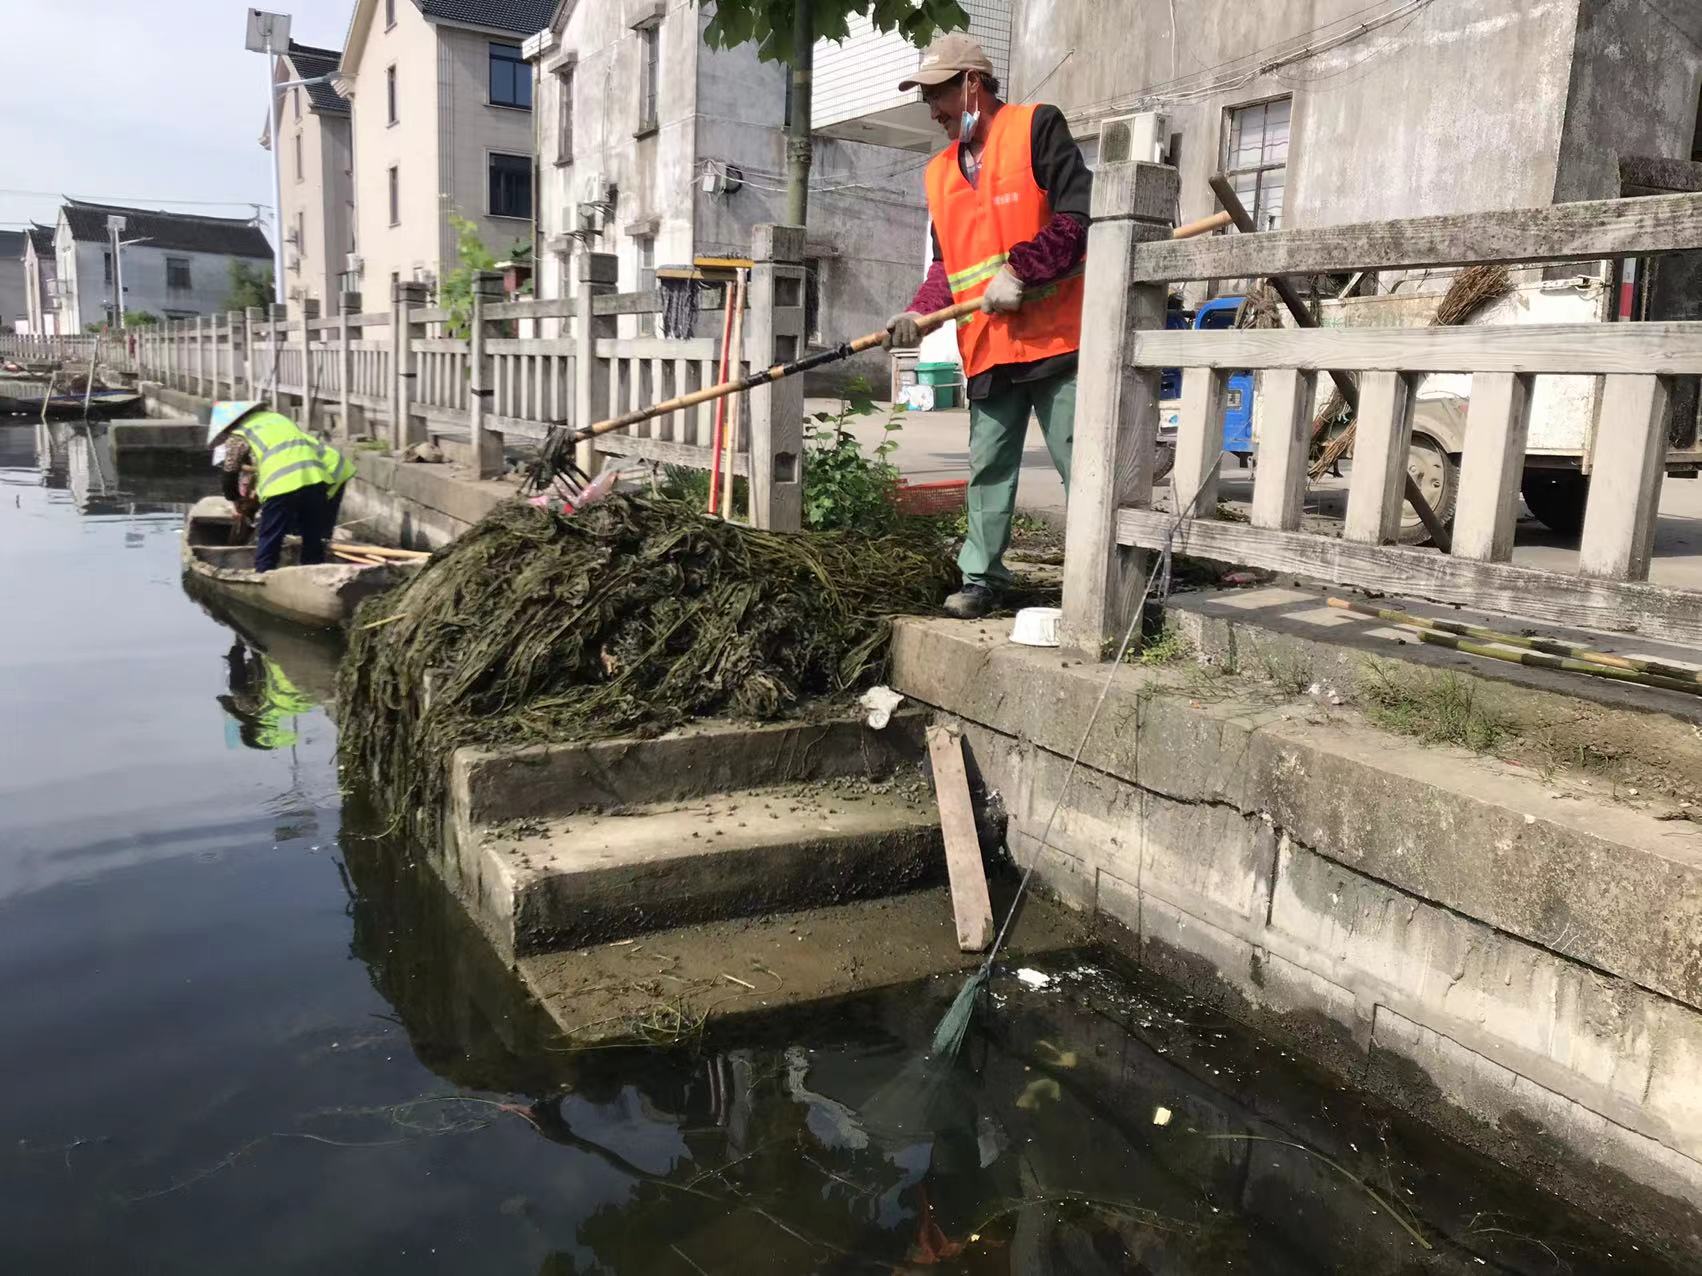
<point x="338" y="468"/>
<point x="977" y="227"/>
<point x="286" y="457"/>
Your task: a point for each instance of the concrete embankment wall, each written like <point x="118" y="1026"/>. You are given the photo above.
<point x="413" y="505"/>
<point x="1524" y="971"/>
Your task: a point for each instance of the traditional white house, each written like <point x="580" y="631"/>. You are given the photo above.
<point x="656" y="148"/>
<point x="41" y="282"/>
<point x="442" y="126"/>
<point x="315" y="176"/>
<point x="173" y="265"/>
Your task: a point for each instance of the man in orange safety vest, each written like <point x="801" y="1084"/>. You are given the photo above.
<point x="1009" y="201"/>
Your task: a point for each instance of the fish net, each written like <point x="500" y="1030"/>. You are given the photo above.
<point x="630" y="617"/>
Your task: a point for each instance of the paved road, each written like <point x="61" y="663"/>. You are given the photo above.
<point x="935" y="445"/>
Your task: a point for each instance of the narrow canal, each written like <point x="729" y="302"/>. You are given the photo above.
<point x="239" y="1031"/>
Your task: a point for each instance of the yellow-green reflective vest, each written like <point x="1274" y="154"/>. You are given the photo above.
<point x="281" y="701"/>
<point x="288" y="458"/>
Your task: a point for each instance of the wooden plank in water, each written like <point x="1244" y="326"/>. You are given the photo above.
<point x="969" y="901"/>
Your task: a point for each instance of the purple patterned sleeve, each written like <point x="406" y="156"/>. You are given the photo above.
<point x="935" y="292"/>
<point x="1052" y="254"/>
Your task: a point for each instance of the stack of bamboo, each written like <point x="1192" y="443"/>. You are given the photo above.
<point x="1534" y="650"/>
<point x="374" y="555"/>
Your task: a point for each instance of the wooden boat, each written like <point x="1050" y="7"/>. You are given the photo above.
<point x="25" y="399"/>
<point x="321" y="595"/>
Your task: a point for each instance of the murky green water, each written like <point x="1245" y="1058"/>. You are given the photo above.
<point x="237" y="1033"/>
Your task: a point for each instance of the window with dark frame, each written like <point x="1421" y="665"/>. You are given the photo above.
<point x="390" y="92"/>
<point x="395" y="196"/>
<point x="177" y="274"/>
<point x="295" y="100"/>
<point x="510" y="77"/>
<point x="650" y="38"/>
<point x="106" y="273"/>
<point x="510" y="185"/>
<point x="1255" y="157"/>
<point x="564" y="117"/>
<point x="300" y="172"/>
<point x="389" y="14"/>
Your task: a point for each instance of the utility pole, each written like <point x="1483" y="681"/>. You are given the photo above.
<point x="798" y="143"/>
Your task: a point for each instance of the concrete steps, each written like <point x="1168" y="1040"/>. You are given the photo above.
<point x="593" y="878"/>
<point x="559" y="846"/>
<point x="672" y="983"/>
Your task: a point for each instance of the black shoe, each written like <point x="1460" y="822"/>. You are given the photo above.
<point x="971" y="602"/>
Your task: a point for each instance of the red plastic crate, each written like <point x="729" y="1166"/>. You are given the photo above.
<point x="946" y="497"/>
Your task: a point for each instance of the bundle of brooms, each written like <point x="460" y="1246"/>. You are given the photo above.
<point x="1472" y="289"/>
<point x="630" y="617"/>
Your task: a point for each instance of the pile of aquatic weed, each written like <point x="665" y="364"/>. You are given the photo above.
<point x="631" y="617"/>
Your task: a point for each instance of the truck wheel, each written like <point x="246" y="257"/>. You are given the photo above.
<point x="1438" y="477"/>
<point x="1557" y="498"/>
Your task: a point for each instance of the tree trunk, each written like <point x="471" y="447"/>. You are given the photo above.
<point x="798" y="147"/>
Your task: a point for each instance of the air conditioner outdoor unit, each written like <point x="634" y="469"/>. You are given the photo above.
<point x="1144" y="137"/>
<point x="352" y="263"/>
<point x="294" y="261"/>
<point x="594" y="189"/>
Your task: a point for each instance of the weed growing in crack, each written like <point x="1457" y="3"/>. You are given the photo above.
<point x="1437" y="709"/>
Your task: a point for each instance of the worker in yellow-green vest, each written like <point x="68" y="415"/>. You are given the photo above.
<point x="262" y="700"/>
<point x="298" y="479"/>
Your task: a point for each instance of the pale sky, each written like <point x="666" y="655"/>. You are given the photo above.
<point x="139" y="104"/>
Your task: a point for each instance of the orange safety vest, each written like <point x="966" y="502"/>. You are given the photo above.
<point x="978" y="225"/>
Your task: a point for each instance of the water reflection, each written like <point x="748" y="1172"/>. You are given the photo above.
<point x="243" y="1025"/>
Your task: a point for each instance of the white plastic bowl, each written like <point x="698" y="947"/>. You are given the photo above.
<point x="1036" y="627"/>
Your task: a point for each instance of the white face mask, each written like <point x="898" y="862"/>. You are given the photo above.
<point x="971" y="119"/>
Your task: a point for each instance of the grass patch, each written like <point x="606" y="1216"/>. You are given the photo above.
<point x="1437" y="708"/>
<point x="1169" y="646"/>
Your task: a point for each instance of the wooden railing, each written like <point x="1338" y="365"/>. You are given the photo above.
<point x="1111" y="518"/>
<point x="503" y="374"/>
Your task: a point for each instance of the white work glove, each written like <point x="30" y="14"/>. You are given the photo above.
<point x="1004" y="293"/>
<point x="904" y="331"/>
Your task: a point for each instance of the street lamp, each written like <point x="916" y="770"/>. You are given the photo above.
<point x="269" y="33"/>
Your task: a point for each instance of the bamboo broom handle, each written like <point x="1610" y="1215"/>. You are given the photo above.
<point x="866" y="342"/>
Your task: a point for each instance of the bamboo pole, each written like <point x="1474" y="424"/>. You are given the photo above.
<point x="730" y="425"/>
<point x="382" y="551"/>
<point x="1547" y="646"/>
<point x="1538" y="660"/>
<point x="844" y="350"/>
<point x="721" y="409"/>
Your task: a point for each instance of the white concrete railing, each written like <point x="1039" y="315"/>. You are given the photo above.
<point x="359" y="372"/>
<point x="1125" y="345"/>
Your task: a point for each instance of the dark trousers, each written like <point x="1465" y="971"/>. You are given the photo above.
<point x="302" y="512"/>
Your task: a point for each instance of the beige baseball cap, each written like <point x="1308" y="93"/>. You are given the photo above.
<point x="947" y="56"/>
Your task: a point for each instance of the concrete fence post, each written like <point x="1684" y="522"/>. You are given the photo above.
<point x="407" y="296"/>
<point x="1116" y="405"/>
<point x="236" y="326"/>
<point x="774" y="333"/>
<point x="596" y="277"/>
<point x="345" y="366"/>
<point x="278" y="330"/>
<point x="487" y="444"/>
<point x="251" y="319"/>
<point x="309" y="313"/>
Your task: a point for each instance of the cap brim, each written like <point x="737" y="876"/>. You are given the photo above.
<point x="927" y="79"/>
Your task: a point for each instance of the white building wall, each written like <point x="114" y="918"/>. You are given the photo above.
<point x="145" y="277"/>
<point x="859" y="75"/>
<point x="322" y="195"/>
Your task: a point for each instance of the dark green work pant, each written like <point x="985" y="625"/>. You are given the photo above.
<point x="998" y="428"/>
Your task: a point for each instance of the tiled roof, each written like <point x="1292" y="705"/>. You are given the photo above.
<point x="43" y="236"/>
<point x="186" y="232"/>
<point x="522" y="17"/>
<point x="310" y="62"/>
<point x="11" y="245"/>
